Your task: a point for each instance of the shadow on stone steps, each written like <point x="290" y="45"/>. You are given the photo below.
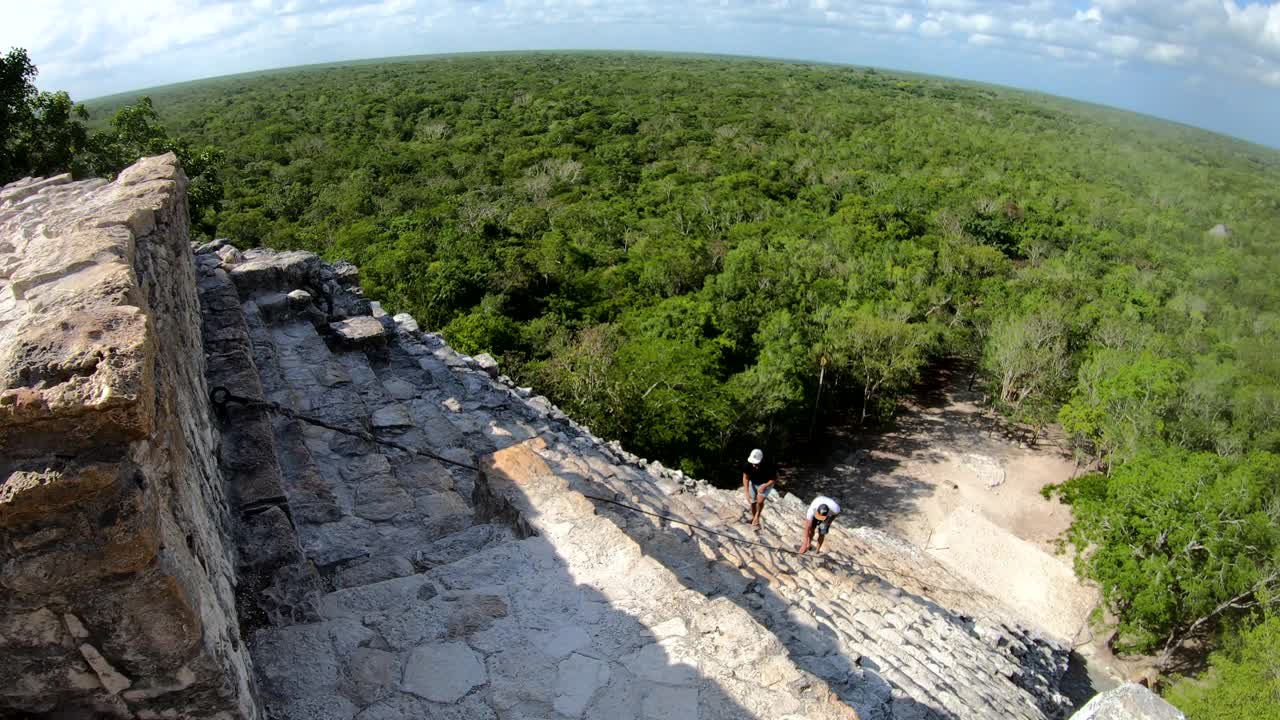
<point x="519" y="630"/>
<point x="788" y="595"/>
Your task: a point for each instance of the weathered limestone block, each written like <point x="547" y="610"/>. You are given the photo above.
<point x="94" y="522"/>
<point x="488" y="364"/>
<point x="443" y="672"/>
<point x="1128" y="702"/>
<point x="272" y="271"/>
<point x="261" y="272"/>
<point x="114" y="553"/>
<point x="77" y="377"/>
<point x="359" y="331"/>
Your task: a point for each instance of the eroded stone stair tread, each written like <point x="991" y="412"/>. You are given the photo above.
<point x="436" y="604"/>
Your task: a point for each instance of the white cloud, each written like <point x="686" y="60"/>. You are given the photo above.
<point x="932" y="28"/>
<point x="1257" y="24"/>
<point x="1093" y="15"/>
<point x="77" y="36"/>
<point x="78" y="42"/>
<point x="1169" y="53"/>
<point x="1119" y="45"/>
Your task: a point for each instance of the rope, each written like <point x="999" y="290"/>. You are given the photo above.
<point x="709" y="531"/>
<point x="222" y="396"/>
<point x="844" y="564"/>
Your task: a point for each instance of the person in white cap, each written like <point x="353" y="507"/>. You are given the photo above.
<point x="758" y="479"/>
<point x="822" y="511"/>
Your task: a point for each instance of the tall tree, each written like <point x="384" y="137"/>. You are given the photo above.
<point x="1029" y="361"/>
<point x="882" y="354"/>
<point x="1175" y="539"/>
<point x="40" y="132"/>
<point x="136" y="131"/>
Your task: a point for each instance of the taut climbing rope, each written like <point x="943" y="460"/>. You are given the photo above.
<point x="843" y="564"/>
<point x="221" y="397"/>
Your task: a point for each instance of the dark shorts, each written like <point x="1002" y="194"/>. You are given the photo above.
<point x="825" y="526"/>
<point x="755" y="489"/>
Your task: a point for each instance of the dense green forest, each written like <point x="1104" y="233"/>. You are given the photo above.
<point x="686" y="253"/>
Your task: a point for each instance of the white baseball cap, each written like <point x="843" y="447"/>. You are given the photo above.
<point x="756" y="456"/>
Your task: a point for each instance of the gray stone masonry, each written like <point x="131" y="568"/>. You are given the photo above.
<point x="1128" y="702"/>
<point x="443" y="592"/>
<point x="116" y="574"/>
<point x="460" y="551"/>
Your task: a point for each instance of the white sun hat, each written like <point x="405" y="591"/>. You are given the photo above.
<point x="756" y="456"/>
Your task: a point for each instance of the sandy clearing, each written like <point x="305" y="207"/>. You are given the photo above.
<point x="948" y="478"/>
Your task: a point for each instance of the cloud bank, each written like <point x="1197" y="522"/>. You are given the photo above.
<point x="1160" y="56"/>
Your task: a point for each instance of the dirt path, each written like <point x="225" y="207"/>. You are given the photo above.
<point x="951" y="480"/>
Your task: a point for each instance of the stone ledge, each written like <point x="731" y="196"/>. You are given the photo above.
<point x="81" y="379"/>
<point x="1128" y="702"/>
<point x="78" y="347"/>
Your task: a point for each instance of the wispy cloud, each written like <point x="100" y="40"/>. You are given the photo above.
<point x="90" y="45"/>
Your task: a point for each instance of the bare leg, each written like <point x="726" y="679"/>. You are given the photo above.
<point x="755" y="516"/>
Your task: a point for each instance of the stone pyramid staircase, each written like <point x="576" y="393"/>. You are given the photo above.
<point x="478" y="576"/>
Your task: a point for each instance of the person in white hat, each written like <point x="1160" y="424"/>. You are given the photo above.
<point x="822" y="511"/>
<point x="758" y="479"/>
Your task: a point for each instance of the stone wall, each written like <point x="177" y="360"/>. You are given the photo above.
<point x="116" y="575"/>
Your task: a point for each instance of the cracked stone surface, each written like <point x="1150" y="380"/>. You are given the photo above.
<point x="117" y="580"/>
<point x="508" y="592"/>
<point x="433" y="546"/>
<point x="443" y="672"/>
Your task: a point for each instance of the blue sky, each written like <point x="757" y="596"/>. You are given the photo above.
<point x="1212" y="63"/>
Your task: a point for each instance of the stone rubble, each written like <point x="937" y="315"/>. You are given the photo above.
<point x="508" y="593"/>
<point x="987" y="469"/>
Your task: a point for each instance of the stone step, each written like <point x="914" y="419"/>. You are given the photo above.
<point x="539" y="627"/>
<point x="277" y="583"/>
<point x="908" y="661"/>
<point x="511" y="594"/>
<point x="363" y="509"/>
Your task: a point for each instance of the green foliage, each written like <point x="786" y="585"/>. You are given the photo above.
<point x="1123" y="401"/>
<point x="881" y="354"/>
<point x="670" y="248"/>
<point x="40" y="132"/>
<point x="1243" y="682"/>
<point x="136" y="132"/>
<point x="1173" y="536"/>
<point x="44" y="133"/>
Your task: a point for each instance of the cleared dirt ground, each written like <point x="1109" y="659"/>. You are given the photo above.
<point x="953" y="479"/>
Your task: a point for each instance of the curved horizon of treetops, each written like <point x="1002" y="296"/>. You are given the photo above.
<point x="679" y="250"/>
